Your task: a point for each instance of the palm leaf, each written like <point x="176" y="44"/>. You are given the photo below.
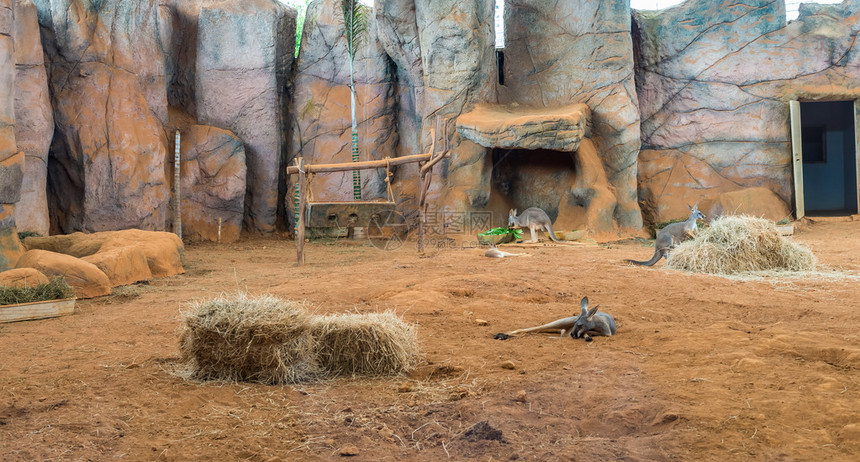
<point x="355" y="16"/>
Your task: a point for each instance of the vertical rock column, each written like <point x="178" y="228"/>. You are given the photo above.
<point x="322" y="125"/>
<point x="580" y="51"/>
<point x="34" y="126"/>
<point x="107" y="168"/>
<point x="458" y="57"/>
<point x="244" y="53"/>
<point x="11" y="161"/>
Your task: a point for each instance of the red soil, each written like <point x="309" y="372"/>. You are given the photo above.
<point x="702" y="367"/>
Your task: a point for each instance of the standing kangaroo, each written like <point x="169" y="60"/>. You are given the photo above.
<point x="534" y="219"/>
<point x="588" y="322"/>
<point x="672" y="235"/>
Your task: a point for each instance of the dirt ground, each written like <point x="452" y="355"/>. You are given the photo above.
<point x="702" y="367"/>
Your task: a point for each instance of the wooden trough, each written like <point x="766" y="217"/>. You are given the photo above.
<point x="37" y="310"/>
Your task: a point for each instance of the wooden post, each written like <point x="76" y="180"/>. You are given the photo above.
<point x="300" y="232"/>
<point x="177" y="214"/>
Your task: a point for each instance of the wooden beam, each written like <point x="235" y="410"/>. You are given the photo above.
<point x="300" y="232"/>
<point x="348" y="166"/>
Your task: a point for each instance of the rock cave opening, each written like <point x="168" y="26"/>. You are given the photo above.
<point x="523" y="178"/>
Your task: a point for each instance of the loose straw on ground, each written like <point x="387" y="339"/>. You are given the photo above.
<point x="741" y="244"/>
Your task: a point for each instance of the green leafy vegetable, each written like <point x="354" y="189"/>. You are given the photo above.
<point x="517" y="233"/>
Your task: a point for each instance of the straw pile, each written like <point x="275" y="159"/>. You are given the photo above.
<point x="273" y="341"/>
<point x="741" y="244"/>
<point x="240" y="338"/>
<point x="372" y="344"/>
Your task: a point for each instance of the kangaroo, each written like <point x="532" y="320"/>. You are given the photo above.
<point x="592" y="322"/>
<point x="672" y="235"/>
<point x="588" y="322"/>
<point x="532" y="218"/>
<point x="494" y="252"/>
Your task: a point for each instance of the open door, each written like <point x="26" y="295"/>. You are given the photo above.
<point x="824" y="157"/>
<point x="797" y="158"/>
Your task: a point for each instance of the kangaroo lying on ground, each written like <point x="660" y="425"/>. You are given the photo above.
<point x="532" y="218"/>
<point x="494" y="252"/>
<point x="588" y="322"/>
<point x="672" y="235"/>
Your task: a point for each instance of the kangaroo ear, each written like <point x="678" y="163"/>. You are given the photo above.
<point x="592" y="312"/>
<point x="583" y="306"/>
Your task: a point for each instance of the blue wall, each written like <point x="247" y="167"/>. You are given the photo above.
<point x="831" y="186"/>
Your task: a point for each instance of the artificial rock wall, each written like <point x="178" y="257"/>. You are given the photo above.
<point x="714" y="80"/>
<point x="90" y="99"/>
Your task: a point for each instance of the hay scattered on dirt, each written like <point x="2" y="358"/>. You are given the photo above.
<point x="242" y="338"/>
<point x="269" y="340"/>
<point x="371" y="344"/>
<point x="56" y="289"/>
<point x="741" y="244"/>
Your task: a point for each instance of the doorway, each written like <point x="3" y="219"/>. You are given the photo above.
<point x="828" y="158"/>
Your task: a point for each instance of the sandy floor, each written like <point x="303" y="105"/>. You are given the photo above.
<point x="702" y="368"/>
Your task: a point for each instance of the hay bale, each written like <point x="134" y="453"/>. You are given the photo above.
<point x="741" y="244"/>
<point x="241" y="338"/>
<point x="370" y="344"/>
<point x="273" y="341"/>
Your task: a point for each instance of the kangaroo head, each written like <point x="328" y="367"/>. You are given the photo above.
<point x="695" y="213"/>
<point x="512" y="217"/>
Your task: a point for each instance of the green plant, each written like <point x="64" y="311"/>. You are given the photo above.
<point x="784" y="221"/>
<point x="25" y="234"/>
<point x="56" y="289"/>
<point x="355" y="27"/>
<point x="516" y="232"/>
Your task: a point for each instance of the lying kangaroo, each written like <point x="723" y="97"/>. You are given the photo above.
<point x="532" y="218"/>
<point x="672" y="235"/>
<point x="588" y="322"/>
<point x="494" y="252"/>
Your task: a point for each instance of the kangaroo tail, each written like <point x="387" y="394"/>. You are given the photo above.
<point x="551" y="234"/>
<point x="657" y="256"/>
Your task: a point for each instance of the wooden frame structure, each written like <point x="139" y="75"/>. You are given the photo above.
<point x="426" y="162"/>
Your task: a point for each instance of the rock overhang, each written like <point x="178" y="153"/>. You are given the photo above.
<point x="512" y="126"/>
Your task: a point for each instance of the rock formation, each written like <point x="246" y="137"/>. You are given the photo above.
<point x="243" y="57"/>
<point x="714" y="94"/>
<point x="85" y="278"/>
<point x="34" y="127"/>
<point x="11" y="160"/>
<point x="321" y="122"/>
<point x="212" y="183"/>
<point x="579" y="51"/>
<point x="107" y="168"/>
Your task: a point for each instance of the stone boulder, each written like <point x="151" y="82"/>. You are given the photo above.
<point x="22" y="277"/>
<point x="34" y="127"/>
<point x="85" y="278"/>
<point x="212" y="183"/>
<point x="322" y="131"/>
<point x="109" y="99"/>
<point x="123" y="265"/>
<point x="580" y="51"/>
<point x="163" y="251"/>
<point x="244" y="53"/>
<point x="759" y="202"/>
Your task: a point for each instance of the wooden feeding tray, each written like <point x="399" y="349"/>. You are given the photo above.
<point x="37" y="310"/>
<point x="348" y="213"/>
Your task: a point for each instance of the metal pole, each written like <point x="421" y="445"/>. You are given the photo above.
<point x="177" y="214"/>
